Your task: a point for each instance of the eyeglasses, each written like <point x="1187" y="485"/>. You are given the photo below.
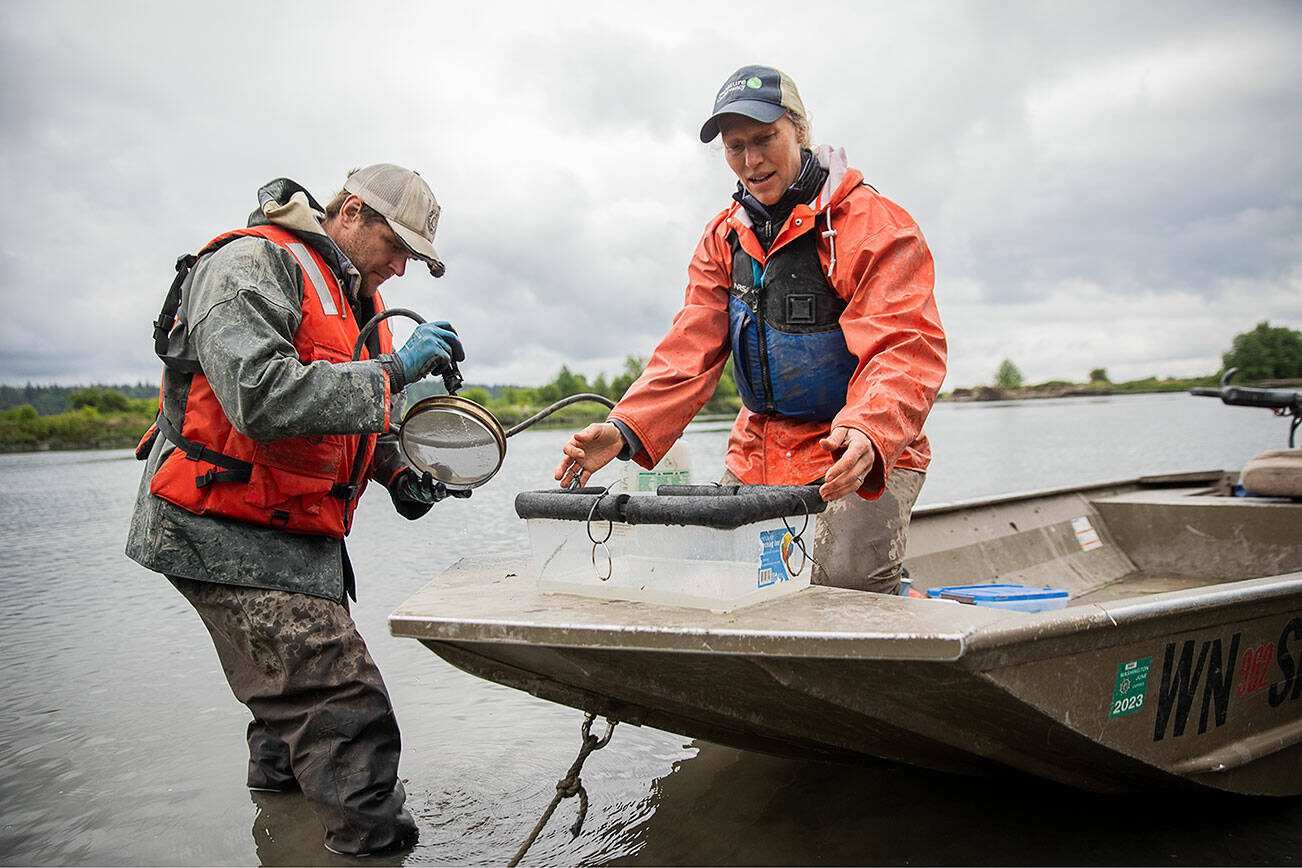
<point x="760" y="143"/>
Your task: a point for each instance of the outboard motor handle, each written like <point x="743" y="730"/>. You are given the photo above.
<point x="1285" y="402"/>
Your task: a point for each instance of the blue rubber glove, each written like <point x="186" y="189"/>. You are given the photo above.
<point x="431" y="349"/>
<point x="423" y="488"/>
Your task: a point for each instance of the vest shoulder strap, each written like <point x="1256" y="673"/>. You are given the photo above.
<point x="172" y="303"/>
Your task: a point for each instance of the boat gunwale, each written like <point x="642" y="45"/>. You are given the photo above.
<point x="1076" y="628"/>
<point x="1199" y="480"/>
<point x="947" y="647"/>
<point x="1004" y="638"/>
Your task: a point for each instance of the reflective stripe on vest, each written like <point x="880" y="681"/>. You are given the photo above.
<point x="789" y="353"/>
<point x="314" y="275"/>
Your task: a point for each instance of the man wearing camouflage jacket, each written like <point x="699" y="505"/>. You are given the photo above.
<point x="265" y="437"/>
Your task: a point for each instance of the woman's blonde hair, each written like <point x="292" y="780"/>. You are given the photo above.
<point x="803" y="137"/>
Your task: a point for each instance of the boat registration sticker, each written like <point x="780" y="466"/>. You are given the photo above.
<point x="1086" y="535"/>
<point x="1132" y="679"/>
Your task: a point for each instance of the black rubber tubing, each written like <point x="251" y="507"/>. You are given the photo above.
<point x="722" y="507"/>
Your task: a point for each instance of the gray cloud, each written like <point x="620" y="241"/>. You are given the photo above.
<point x="1112" y="184"/>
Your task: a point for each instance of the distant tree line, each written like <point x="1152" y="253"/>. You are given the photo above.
<point x="513" y="404"/>
<point x="104" y="417"/>
<point x="96" y="417"/>
<point x="108" y="417"/>
<point x="48" y="400"/>
<point x="1264" y="353"/>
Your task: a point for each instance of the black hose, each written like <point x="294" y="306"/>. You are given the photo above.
<point x="564" y="402"/>
<point x="451" y="377"/>
<point x="375" y="321"/>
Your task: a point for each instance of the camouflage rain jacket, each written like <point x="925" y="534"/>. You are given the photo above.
<point x="243" y="302"/>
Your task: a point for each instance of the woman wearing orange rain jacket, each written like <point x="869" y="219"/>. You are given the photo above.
<point x="821" y="291"/>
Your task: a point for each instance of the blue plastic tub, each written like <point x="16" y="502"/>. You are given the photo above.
<point x="1017" y="598"/>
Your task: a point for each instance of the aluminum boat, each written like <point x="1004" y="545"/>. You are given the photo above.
<point x="1177" y="661"/>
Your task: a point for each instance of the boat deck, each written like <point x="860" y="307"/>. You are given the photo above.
<point x="497" y="600"/>
<point x="1138" y="583"/>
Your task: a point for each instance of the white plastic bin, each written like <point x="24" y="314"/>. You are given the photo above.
<point x="676" y="564"/>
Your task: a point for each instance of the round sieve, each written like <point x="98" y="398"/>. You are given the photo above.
<point x="453" y="439"/>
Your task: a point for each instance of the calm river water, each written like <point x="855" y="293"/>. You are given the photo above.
<point x="121" y="744"/>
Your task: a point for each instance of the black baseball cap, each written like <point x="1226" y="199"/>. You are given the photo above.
<point x="761" y="93"/>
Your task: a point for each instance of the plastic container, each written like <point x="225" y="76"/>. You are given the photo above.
<point x="1016" y="598"/>
<point x="669" y="548"/>
<point x="674" y="468"/>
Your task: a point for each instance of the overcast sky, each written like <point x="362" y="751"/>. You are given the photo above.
<point x="1111" y="185"/>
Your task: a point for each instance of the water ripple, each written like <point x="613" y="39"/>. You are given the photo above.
<point x="120" y="742"/>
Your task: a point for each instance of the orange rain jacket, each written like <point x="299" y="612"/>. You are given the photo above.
<point x="879" y="264"/>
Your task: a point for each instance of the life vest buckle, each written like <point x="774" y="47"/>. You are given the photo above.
<point x="344" y="491"/>
<point x="215" y="475"/>
<point x="163" y="327"/>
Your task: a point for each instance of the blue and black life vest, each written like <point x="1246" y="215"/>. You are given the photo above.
<point x="789" y="353"/>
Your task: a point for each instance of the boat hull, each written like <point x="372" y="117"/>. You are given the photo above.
<point x="1186" y="682"/>
<point x="1023" y="702"/>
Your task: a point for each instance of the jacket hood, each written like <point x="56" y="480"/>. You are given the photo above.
<point x="289" y="205"/>
<point x="841" y="179"/>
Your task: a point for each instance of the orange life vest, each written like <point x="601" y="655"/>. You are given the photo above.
<point x="296" y="484"/>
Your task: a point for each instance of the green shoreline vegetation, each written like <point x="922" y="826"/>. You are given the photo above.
<point x="45" y="418"/>
<point x="41" y="418"/>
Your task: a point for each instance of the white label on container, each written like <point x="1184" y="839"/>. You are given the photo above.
<point x="1086" y="535"/>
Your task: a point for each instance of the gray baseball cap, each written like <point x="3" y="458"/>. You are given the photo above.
<point x="406" y="202"/>
<point x="761" y="93"/>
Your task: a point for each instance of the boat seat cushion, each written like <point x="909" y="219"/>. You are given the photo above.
<point x="1277" y="473"/>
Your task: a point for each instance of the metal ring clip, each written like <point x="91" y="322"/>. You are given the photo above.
<point x="804" y="527"/>
<point x="798" y="539"/>
<point x="610" y="562"/>
<point x="592" y="513"/>
<point x="601" y="543"/>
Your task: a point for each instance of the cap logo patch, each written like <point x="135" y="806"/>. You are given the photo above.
<point x="754" y="82"/>
<point x="728" y="90"/>
<point x="431" y="221"/>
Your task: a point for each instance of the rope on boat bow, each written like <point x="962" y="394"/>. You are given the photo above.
<point x="570" y="785"/>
